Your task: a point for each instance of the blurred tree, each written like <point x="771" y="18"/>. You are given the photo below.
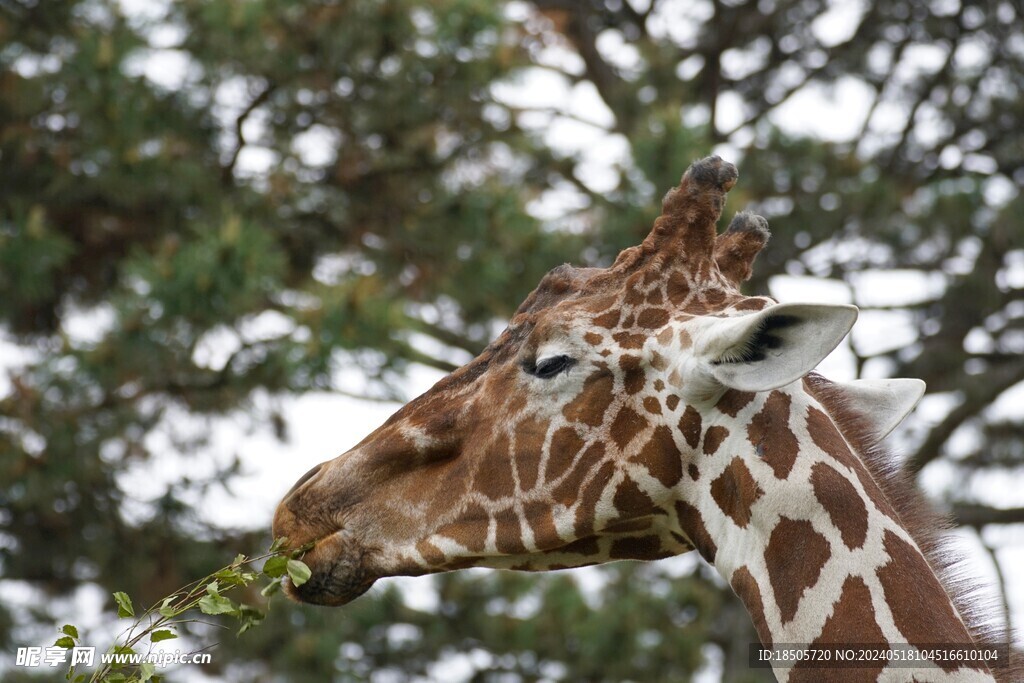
<point x="312" y="186"/>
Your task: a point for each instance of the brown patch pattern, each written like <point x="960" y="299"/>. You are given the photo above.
<point x="431" y="554"/>
<point x="826" y="436"/>
<point x="626" y="425"/>
<point x="771" y="436"/>
<point x="568" y="490"/>
<point x="842" y="503"/>
<point x="509" y="535"/>
<point x="685" y="340"/>
<point x="542" y="523"/>
<point x="852" y="621"/>
<point x="910" y="589"/>
<point x="494" y="478"/>
<point x="633" y="377"/>
<point x="589" y="496"/>
<point x="678" y="288"/>
<point x="630" y="501"/>
<point x="471" y="529"/>
<point x="593" y="401"/>
<point x="652" y="318"/>
<point x="735" y="492"/>
<point x="713" y="438"/>
<point x="527" y="454"/>
<point x="565" y="444"/>
<point x="629" y="341"/>
<point x="752" y="304"/>
<point x="692" y="524"/>
<point x="661" y="457"/>
<point x="733" y="401"/>
<point x="690" y="425"/>
<point x="652" y="405"/>
<point x="794" y="557"/>
<point x="744" y="585"/>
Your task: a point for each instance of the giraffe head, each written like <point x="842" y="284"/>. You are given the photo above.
<point x="569" y="440"/>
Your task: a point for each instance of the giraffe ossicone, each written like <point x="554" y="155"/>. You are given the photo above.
<point x="644" y="410"/>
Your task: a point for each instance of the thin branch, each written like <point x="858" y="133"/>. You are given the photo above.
<point x="603" y="75"/>
<point x="446" y="336"/>
<point x="944" y="73"/>
<point x="993" y="385"/>
<point x="974" y="515"/>
<point x="417" y="356"/>
<point x="555" y="112"/>
<point x="228" y="172"/>
<point x="882" y="85"/>
<point x="1000" y="581"/>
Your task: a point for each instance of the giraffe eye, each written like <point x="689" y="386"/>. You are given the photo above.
<point x="546" y="368"/>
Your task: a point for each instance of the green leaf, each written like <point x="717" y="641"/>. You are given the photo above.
<point x="146" y="671"/>
<point x="124" y="605"/>
<point x="271" y="588"/>
<point x="302" y="550"/>
<point x="69" y="630"/>
<point x="298" y="572"/>
<point x="162" y="634"/>
<point x="230" y="577"/>
<point x="119" y="650"/>
<point x="166" y="610"/>
<point x="250" y="617"/>
<point x="217" y="604"/>
<point x="276" y="566"/>
<point x="65" y="642"/>
<point x="278" y="544"/>
<point x="239" y="559"/>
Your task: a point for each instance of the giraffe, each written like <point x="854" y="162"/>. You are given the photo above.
<point x="645" y="410"/>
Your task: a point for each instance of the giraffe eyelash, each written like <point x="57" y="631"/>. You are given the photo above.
<point x="548" y="367"/>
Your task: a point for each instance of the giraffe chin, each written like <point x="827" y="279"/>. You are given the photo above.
<point x="338" y="575"/>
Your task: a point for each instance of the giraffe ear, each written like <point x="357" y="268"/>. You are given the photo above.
<point x="882" y="402"/>
<point x="776" y="346"/>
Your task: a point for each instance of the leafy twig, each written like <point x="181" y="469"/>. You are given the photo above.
<point x="208" y="595"/>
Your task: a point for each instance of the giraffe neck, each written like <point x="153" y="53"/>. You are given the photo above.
<point x="792" y="518"/>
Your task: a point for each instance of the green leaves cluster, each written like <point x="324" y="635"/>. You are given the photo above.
<point x="205" y="596"/>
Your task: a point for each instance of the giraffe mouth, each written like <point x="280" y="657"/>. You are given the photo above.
<point x="339" y="574"/>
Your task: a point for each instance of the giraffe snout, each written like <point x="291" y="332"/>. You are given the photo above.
<point x="304" y="478"/>
<point x="299" y="517"/>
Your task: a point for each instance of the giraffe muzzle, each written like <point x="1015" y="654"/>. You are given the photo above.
<point x="339" y="573"/>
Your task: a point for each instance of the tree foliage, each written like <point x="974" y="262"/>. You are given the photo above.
<point x="377" y="183"/>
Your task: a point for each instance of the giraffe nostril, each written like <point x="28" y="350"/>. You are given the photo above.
<point x="305" y="477"/>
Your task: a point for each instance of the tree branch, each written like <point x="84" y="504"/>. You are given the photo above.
<point x="971" y="406"/>
<point x="1000" y="582"/>
<point x="975" y="515"/>
<point x="228" y="172"/>
<point x="581" y="34"/>
<point x="447" y="336"/>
